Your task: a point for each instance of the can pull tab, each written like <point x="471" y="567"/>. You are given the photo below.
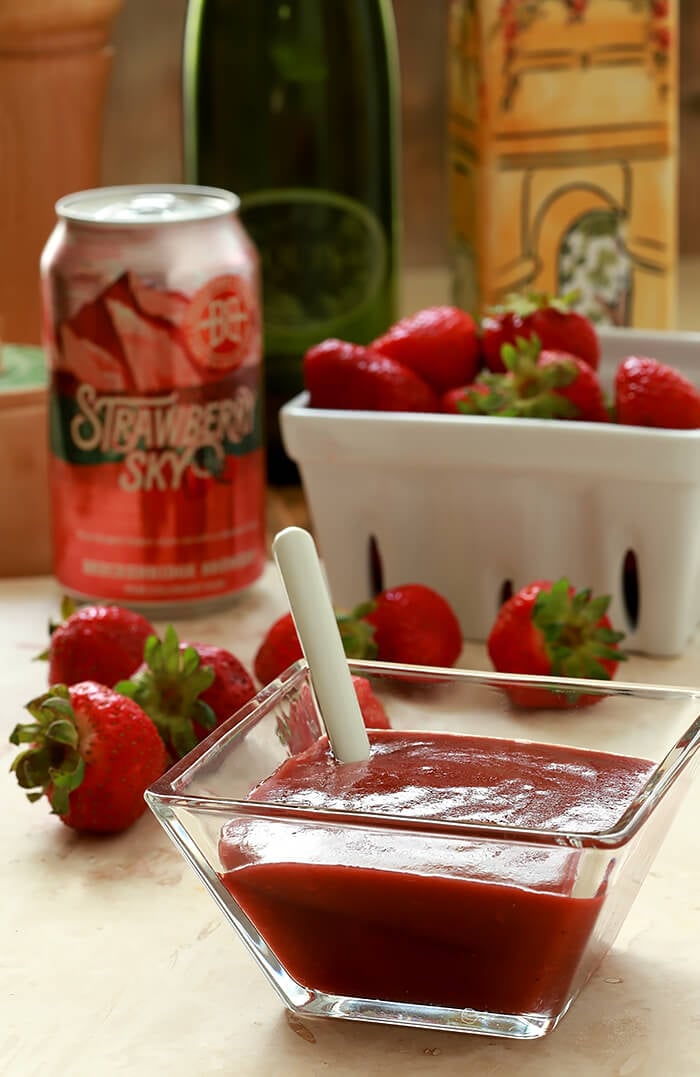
<point x="148" y="204"/>
<point x="151" y="205"/>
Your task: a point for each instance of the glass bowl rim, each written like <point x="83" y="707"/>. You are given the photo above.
<point x="168" y="792"/>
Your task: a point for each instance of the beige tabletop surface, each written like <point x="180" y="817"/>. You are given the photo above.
<point x="114" y="960"/>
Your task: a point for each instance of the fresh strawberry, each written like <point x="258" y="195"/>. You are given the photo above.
<point x="280" y="647"/>
<point x="539" y="385"/>
<point x="500" y="327"/>
<point x="649" y="393"/>
<point x="549" y="629"/>
<point x="413" y="624"/>
<point x="577" y="382"/>
<point x="562" y="329"/>
<point x="338" y="374"/>
<point x="187" y="689"/>
<point x="302" y="726"/>
<point x="92" y="753"/>
<point x="96" y="643"/>
<point x="439" y="343"/>
<point x="551" y="320"/>
<point x="461" y="400"/>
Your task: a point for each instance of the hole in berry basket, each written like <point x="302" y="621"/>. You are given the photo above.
<point x="505" y="593"/>
<point x="374" y="564"/>
<point x="630" y="588"/>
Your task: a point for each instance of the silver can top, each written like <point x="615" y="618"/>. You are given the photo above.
<point x="146" y="204"/>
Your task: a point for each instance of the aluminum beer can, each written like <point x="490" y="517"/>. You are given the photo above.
<point x="152" y="328"/>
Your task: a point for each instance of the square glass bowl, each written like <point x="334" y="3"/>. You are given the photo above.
<point x="489" y="926"/>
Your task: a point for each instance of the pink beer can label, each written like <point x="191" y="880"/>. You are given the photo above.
<point x="153" y="330"/>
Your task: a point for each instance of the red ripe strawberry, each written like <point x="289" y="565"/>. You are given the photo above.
<point x="187" y="689"/>
<point x="232" y="685"/>
<point x="302" y="726"/>
<point x="549" y="629"/>
<point x="281" y="647"/>
<point x="411" y="623"/>
<point x="338" y="374"/>
<point x="96" y="643"/>
<point x="373" y="713"/>
<point x="578" y="383"/>
<point x="551" y="320"/>
<point x="649" y="393"/>
<point x="414" y="624"/>
<point x="540" y="385"/>
<point x="461" y="400"/>
<point x="499" y="327"/>
<point x="92" y="752"/>
<point x="439" y="343"/>
<point x="562" y="329"/>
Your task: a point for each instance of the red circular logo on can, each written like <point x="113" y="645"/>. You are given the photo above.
<point x="221" y="322"/>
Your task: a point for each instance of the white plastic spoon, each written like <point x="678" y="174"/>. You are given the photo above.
<point x="294" y="551"/>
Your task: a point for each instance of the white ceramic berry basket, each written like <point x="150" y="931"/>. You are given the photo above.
<point x="477" y="506"/>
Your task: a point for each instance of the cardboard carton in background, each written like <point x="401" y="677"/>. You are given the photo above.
<point x="563" y="154"/>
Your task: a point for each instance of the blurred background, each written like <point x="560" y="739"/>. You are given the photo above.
<point x="142" y="131"/>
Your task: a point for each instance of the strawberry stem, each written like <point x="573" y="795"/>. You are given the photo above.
<point x="53" y="760"/>
<point x="574" y="640"/>
<point x="356" y="633"/>
<point x="527" y="390"/>
<point x="169" y="687"/>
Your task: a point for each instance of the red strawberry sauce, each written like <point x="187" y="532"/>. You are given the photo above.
<point x="448" y="921"/>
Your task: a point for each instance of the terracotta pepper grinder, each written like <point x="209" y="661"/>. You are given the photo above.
<point x="55" y="60"/>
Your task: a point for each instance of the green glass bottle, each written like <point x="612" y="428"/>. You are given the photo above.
<point x="293" y="104"/>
